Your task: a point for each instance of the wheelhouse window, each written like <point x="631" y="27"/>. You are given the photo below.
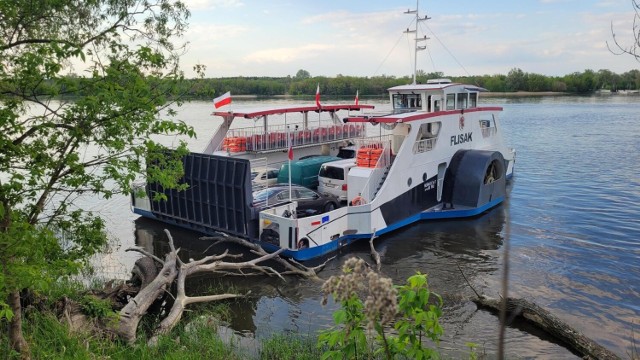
<point x="473" y="99"/>
<point x="407" y="102"/>
<point x="462" y="100"/>
<point x="451" y="101"/>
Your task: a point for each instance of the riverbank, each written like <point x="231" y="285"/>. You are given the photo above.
<point x="49" y="338"/>
<point x="524" y="93"/>
<point x="385" y="96"/>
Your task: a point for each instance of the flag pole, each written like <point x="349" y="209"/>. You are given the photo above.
<point x="289" y="156"/>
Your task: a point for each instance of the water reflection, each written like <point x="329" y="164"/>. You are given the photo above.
<point x="437" y="248"/>
<point x="276" y="305"/>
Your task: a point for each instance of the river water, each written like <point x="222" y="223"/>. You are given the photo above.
<point x="574" y="234"/>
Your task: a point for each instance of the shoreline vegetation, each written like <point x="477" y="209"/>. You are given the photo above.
<point x="514" y="84"/>
<point x="485" y="94"/>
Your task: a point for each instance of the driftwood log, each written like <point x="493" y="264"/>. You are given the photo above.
<point x="551" y="324"/>
<point x="174" y="270"/>
<point x="546" y="321"/>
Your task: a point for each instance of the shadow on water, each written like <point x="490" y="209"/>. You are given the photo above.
<point x="436" y="248"/>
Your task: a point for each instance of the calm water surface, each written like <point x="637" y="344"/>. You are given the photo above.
<point x="574" y="233"/>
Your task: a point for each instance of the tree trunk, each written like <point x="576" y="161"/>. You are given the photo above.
<point x="16" y="338"/>
<point x="175" y="270"/>
<point x="551" y="324"/>
<point x="133" y="312"/>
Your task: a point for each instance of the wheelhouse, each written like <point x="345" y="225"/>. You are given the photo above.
<point x="436" y="95"/>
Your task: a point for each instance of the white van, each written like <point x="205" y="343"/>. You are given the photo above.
<point x="332" y="178"/>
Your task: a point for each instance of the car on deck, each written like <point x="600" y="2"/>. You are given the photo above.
<point x="264" y="177"/>
<point x="309" y="201"/>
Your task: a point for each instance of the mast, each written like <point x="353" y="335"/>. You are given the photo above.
<point x="417" y="39"/>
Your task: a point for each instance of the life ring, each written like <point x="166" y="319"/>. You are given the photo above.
<point x="357" y="201"/>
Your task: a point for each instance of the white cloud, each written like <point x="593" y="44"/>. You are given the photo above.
<point x="607" y="3"/>
<point x="205" y="33"/>
<point x="287" y="55"/>
<point x="212" y="4"/>
<point x="554" y="1"/>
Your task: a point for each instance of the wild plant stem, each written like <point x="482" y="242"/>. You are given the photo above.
<point x="505" y="288"/>
<point x="386" y="344"/>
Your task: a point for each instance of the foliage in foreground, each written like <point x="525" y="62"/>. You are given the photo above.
<point x="376" y="320"/>
<point x="195" y="338"/>
<point x="50" y="339"/>
<point x="54" y="150"/>
<point x="370" y="306"/>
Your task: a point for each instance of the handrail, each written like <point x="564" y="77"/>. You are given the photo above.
<point x="255" y="139"/>
<point x="383" y="162"/>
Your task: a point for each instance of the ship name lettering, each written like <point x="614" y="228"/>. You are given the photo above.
<point x="461" y="138"/>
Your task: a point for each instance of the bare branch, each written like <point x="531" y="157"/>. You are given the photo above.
<point x="290" y="266"/>
<point x="146" y="253"/>
<point x="634" y="49"/>
<point x="374" y="254"/>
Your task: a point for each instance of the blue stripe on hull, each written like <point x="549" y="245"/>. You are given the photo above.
<point x="317" y="251"/>
<point x="333" y="246"/>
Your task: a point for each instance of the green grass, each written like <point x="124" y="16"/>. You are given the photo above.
<point x="50" y="339"/>
<point x="290" y="347"/>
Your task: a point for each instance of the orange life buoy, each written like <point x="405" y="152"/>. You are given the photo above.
<point x="357" y="201"/>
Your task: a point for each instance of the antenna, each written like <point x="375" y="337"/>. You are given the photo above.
<point x="417" y="39"/>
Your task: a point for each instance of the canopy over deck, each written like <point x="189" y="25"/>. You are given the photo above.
<point x="292" y="109"/>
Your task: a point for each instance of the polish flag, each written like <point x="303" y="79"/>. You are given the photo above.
<point x="290" y="154"/>
<point x="222" y="100"/>
<point x="356" y="101"/>
<point x="318" y="96"/>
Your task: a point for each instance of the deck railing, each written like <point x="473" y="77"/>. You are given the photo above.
<point x="254" y="139"/>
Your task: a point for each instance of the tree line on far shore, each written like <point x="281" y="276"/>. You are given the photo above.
<point x="303" y="83"/>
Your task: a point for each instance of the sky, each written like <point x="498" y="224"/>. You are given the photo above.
<point x="365" y="37"/>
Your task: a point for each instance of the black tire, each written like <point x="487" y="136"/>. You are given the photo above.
<point x="329" y="206"/>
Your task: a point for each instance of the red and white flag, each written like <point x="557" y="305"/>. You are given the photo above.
<point x="290" y="151"/>
<point x="357" y="100"/>
<point x="318" y="96"/>
<point x="222" y="100"/>
<point x="290" y="143"/>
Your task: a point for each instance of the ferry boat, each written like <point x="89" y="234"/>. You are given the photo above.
<point x="436" y="154"/>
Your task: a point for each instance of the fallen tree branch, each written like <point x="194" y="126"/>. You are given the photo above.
<point x="374" y="254"/>
<point x="551" y="324"/>
<point x="292" y="267"/>
<point x="467" y="281"/>
<point x="174" y="269"/>
<point x="146" y="253"/>
<point x="133" y="312"/>
<point x="545" y="321"/>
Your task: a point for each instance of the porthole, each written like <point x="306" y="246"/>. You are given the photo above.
<point x="424" y="177"/>
<point x="409" y="182"/>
